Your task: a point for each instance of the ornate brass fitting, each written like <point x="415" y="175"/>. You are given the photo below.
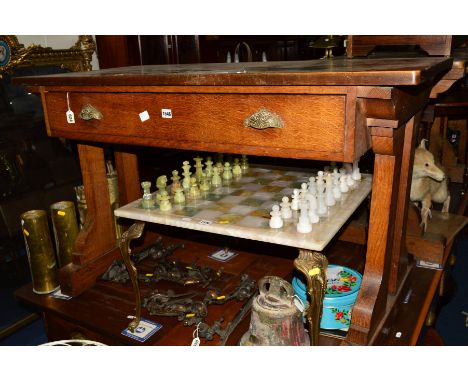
<point x="90" y="112"/>
<point x="263" y="119"/>
<point x="313" y="265"/>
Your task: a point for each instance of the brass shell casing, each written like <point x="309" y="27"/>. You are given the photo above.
<point x="40" y="251"/>
<point x="65" y="230"/>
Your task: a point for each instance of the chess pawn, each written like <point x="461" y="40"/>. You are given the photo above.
<point x="236" y="169"/>
<point x="198" y="168"/>
<point x="343" y="184"/>
<point x="205" y="184"/>
<point x="275" y="220"/>
<point x="286" y="212"/>
<point x="194" y="192"/>
<point x="244" y="163"/>
<point x="179" y="197"/>
<point x="295" y="200"/>
<point x="165" y="204"/>
<point x="356" y="172"/>
<point x="209" y="167"/>
<point x="321" y="207"/>
<point x="350" y="181"/>
<point x="216" y="180"/>
<point x="220" y="167"/>
<point x="303" y="225"/>
<point x="312" y="189"/>
<point x="329" y="197"/>
<point x="147" y="201"/>
<point x="227" y="173"/>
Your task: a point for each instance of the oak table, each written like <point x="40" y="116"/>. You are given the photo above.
<point x="332" y="110"/>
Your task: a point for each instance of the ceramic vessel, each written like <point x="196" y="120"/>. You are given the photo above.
<point x="342" y="289"/>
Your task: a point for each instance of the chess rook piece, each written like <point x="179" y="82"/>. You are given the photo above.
<point x="286" y="212"/>
<point x="275" y="220"/>
<point x="147" y="201"/>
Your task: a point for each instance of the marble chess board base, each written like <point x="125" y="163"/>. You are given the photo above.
<point x="242" y="209"/>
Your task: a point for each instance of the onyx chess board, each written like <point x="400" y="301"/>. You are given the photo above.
<point x="242" y="209"/>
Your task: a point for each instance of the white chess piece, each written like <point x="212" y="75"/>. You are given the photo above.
<point x="312" y="186"/>
<point x="343" y="184"/>
<point x="303" y="225"/>
<point x="313" y="217"/>
<point x="348" y="168"/>
<point x="356" y="172"/>
<point x="336" y="185"/>
<point x="321" y="207"/>
<point x="329" y="197"/>
<point x="286" y="212"/>
<point x="303" y="191"/>
<point x="350" y="180"/>
<point x="275" y="220"/>
<point x="295" y="200"/>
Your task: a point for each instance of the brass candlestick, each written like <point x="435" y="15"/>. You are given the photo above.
<point x="314" y="266"/>
<point x="65" y="230"/>
<point x="40" y="252"/>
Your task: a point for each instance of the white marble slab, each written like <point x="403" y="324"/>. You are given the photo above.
<point x="231" y="217"/>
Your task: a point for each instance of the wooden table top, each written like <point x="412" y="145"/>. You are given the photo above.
<point x="340" y="71"/>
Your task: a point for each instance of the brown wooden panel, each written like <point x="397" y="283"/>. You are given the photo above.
<point x="314" y="125"/>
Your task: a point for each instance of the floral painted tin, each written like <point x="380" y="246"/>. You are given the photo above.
<point x="343" y="285"/>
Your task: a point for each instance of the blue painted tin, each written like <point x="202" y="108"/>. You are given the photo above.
<point x="343" y="285"/>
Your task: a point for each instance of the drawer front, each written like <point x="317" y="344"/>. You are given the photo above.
<point x="214" y="122"/>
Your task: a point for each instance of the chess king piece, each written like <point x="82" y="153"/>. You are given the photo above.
<point x="147" y="201"/>
<point x="275" y="220"/>
<point x="216" y="181"/>
<point x="164" y="204"/>
<point x="161" y="184"/>
<point x="286" y="212"/>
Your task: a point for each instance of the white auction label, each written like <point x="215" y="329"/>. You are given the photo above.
<point x="144" y="116"/>
<point x="166" y="113"/>
<point x="70" y="116"/>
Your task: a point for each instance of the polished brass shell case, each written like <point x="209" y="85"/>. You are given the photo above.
<point x="40" y="251"/>
<point x="65" y="230"/>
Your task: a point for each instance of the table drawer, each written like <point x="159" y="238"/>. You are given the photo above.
<point x="214" y="122"/>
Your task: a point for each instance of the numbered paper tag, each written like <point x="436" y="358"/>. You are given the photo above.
<point x="144" y="116"/>
<point x="223" y="255"/>
<point x="166" y="113"/>
<point x="70" y="116"/>
<point x="195" y="342"/>
<point x="58" y="294"/>
<point x="145" y="330"/>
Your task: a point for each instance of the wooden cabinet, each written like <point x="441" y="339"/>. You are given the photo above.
<point x="332" y="110"/>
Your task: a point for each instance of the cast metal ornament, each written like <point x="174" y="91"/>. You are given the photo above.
<point x="134" y="232"/>
<point x="314" y="266"/>
<point x="90" y="112"/>
<point x="263" y="119"/>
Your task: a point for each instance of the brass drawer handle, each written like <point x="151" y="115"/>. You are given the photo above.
<point x="90" y="112"/>
<point x="263" y="119"/>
